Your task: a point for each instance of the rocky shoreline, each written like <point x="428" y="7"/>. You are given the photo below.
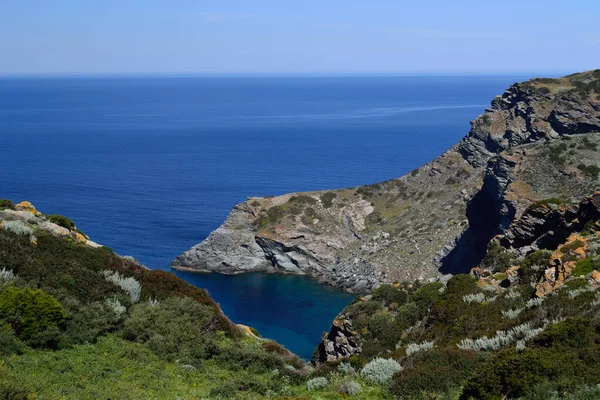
<point x="529" y="145"/>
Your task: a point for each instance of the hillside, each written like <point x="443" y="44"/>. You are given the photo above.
<point x="538" y="140"/>
<point x="525" y="324"/>
<point x="78" y="321"/>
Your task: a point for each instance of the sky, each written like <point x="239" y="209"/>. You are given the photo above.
<point x="298" y="37"/>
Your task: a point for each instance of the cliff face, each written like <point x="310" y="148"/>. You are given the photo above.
<point x="538" y="140"/>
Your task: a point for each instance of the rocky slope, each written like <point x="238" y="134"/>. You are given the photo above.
<point x="551" y="244"/>
<point x="538" y="140"/>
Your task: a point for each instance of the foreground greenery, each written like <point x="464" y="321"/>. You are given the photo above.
<point x="79" y="322"/>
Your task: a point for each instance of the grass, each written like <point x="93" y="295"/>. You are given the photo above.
<point x="112" y="368"/>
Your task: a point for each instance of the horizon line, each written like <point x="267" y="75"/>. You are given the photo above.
<point x="271" y="74"/>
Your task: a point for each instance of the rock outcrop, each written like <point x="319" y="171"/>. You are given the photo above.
<point x="340" y="342"/>
<point x="538" y="140"/>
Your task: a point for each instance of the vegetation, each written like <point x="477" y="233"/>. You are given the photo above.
<point x="6" y="204"/>
<point x="83" y="322"/>
<point x="61" y="221"/>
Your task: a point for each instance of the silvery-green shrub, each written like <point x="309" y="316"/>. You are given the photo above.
<point x="127" y="284"/>
<point x="417" y="347"/>
<point x="7" y="275"/>
<point x="346" y="369"/>
<point x="316" y="383"/>
<point x="380" y="370"/>
<point x="18" y="228"/>
<point x="352" y="388"/>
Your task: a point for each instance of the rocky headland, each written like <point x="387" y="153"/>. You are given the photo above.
<point x="538" y="140"/>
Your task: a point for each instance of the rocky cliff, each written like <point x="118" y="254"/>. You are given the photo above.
<point x="537" y="140"/>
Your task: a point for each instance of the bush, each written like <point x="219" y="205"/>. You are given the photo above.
<point x="380" y="370"/>
<point x="533" y="265"/>
<point x="127" y="284"/>
<point x="426" y="295"/>
<point x="6" y="204"/>
<point x="586" y="266"/>
<point x="433" y="371"/>
<point x="29" y="311"/>
<point x="497" y="258"/>
<point x="351" y="388"/>
<point x="7" y="275"/>
<point x="577" y="333"/>
<point x="13" y="391"/>
<point x="9" y="344"/>
<point x="172" y="328"/>
<point x="388" y="294"/>
<point x="61" y="221"/>
<point x="346" y="368"/>
<point x="317" y="383"/>
<point x="327" y="199"/>
<point x="88" y="323"/>
<point x="18" y="228"/>
<point x="461" y="284"/>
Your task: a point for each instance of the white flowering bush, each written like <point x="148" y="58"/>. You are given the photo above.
<point x="316" y="383"/>
<point x="346" y="369"/>
<point x="7" y="275"/>
<point x="534" y="302"/>
<point x="127" y="284"/>
<point x="510" y="314"/>
<point x="576" y="292"/>
<point x="523" y="332"/>
<point x="380" y="370"/>
<point x="596" y="302"/>
<point x="415" y="348"/>
<point x="116" y="306"/>
<point x="352" y="388"/>
<point x="513" y="295"/>
<point x="477" y="298"/>
<point x="18" y="228"/>
<point x="474" y="298"/>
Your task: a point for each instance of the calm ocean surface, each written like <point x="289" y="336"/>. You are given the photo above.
<point x="150" y="166"/>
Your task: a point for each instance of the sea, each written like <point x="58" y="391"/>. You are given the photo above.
<point x="150" y="165"/>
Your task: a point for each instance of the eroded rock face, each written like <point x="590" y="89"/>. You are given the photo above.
<point x="340" y="342"/>
<point x="437" y="219"/>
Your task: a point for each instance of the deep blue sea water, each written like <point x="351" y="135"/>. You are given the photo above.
<point x="150" y="166"/>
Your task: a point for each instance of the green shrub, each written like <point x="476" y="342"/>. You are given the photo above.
<point x="407" y="316"/>
<point x="61" y="221"/>
<point x="88" y="323"/>
<point x="545" y="202"/>
<point x="434" y="371"/>
<point x="586" y="266"/>
<point x="389" y="294"/>
<point x="248" y="357"/>
<point x="171" y="328"/>
<point x="13" y="391"/>
<point x="577" y="333"/>
<point x="497" y="258"/>
<point x="460" y="285"/>
<point x="9" y="344"/>
<point x="327" y="199"/>
<point x="4" y="204"/>
<point x="566" y="354"/>
<point x="533" y="265"/>
<point x="30" y="311"/>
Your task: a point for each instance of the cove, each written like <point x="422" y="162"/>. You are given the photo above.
<point x="150" y="166"/>
<point x="290" y="309"/>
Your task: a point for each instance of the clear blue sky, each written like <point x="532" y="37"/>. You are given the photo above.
<point x="308" y="36"/>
